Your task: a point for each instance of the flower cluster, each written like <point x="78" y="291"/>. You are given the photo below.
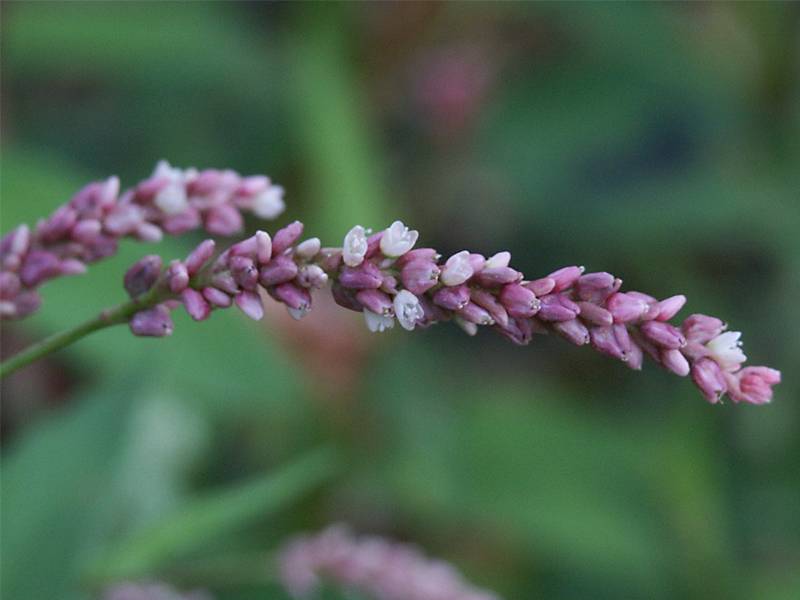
<point x="89" y="226"/>
<point x="382" y="569"/>
<point x="150" y="591"/>
<point x="202" y="282"/>
<point x="384" y="277"/>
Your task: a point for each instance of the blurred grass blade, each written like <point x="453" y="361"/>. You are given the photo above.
<point x="214" y="515"/>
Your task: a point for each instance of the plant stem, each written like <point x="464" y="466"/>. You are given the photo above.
<point x="108" y="317"/>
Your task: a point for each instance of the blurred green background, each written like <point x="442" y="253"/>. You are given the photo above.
<point x="657" y="141"/>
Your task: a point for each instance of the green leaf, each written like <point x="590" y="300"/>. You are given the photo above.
<point x="210" y="517"/>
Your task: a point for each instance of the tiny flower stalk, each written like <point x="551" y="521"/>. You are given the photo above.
<point x="382" y="275"/>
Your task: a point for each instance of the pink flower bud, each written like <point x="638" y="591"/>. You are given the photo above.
<point x="225" y="282"/>
<point x="39" y="266"/>
<point x="345" y="297"/>
<point x="702" y="328"/>
<point x="418" y="276"/>
<point x="285" y="237"/>
<point x="244" y="272"/>
<point x="669" y="307"/>
<point x="365" y="276"/>
<point x="154" y="322"/>
<point x="58" y="225"/>
<point x="708" y="377"/>
<point x="375" y="301"/>
<point x="574" y="331"/>
<point x="279" y="270"/>
<point x="427" y="254"/>
<point x="177" y="277"/>
<point x="541" y="287"/>
<point x="597" y="287"/>
<point x="595" y="315"/>
<point x="557" y="307"/>
<point x="71" y="266"/>
<point x="519" y="331"/>
<point x="519" y="301"/>
<point x="452" y="298"/>
<point x="86" y="230"/>
<point x="9" y="285"/>
<point x="389" y="284"/>
<point x="195" y="304"/>
<point x="754" y="384"/>
<point x="475" y="314"/>
<point x="565" y="277"/>
<point x="123" y="219"/>
<point x="292" y="296"/>
<point x="492" y="305"/>
<point x="142" y="275"/>
<point x="199" y="256"/>
<point x="477" y="262"/>
<point x="250" y="304"/>
<point x="673" y="360"/>
<point x="626" y="308"/>
<point x="634" y="355"/>
<point x="431" y="313"/>
<point x="147" y="232"/>
<point x="663" y="334"/>
<point x="605" y="340"/>
<point x="187" y="220"/>
<point x="223" y="220"/>
<point x="497" y="276"/>
<point x="25" y="304"/>
<point x="217" y="297"/>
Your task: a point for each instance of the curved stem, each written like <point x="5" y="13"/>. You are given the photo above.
<point x="107" y="318"/>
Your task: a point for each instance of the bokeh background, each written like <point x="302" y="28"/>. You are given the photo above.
<point x="657" y="141"/>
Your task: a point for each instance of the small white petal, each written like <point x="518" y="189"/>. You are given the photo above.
<point x="397" y="239"/>
<point x="171" y="199"/>
<point x="469" y="327"/>
<point x="457" y="269"/>
<point x="501" y="259"/>
<point x="408" y="309"/>
<point x="309" y="248"/>
<point x="269" y="203"/>
<point x="298" y="313"/>
<point x="726" y="350"/>
<point x="355" y="246"/>
<point x="377" y="323"/>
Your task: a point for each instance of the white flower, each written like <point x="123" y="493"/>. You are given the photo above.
<point x="312" y="276"/>
<point x="408" y="309"/>
<point x="269" y="203"/>
<point x="726" y="349"/>
<point x="501" y="259"/>
<point x="309" y="248"/>
<point x="171" y="199"/>
<point x="298" y="313"/>
<point x="377" y="323"/>
<point x="457" y="269"/>
<point x="398" y="239"/>
<point x="355" y="246"/>
<point x="166" y="170"/>
<point x="469" y="327"/>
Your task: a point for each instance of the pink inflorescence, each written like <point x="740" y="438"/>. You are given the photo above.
<point x="151" y="591"/>
<point x="380" y="568"/>
<point x="383" y="276"/>
<point x="89" y="226"/>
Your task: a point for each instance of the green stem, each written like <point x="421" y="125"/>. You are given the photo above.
<point x="107" y="318"/>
